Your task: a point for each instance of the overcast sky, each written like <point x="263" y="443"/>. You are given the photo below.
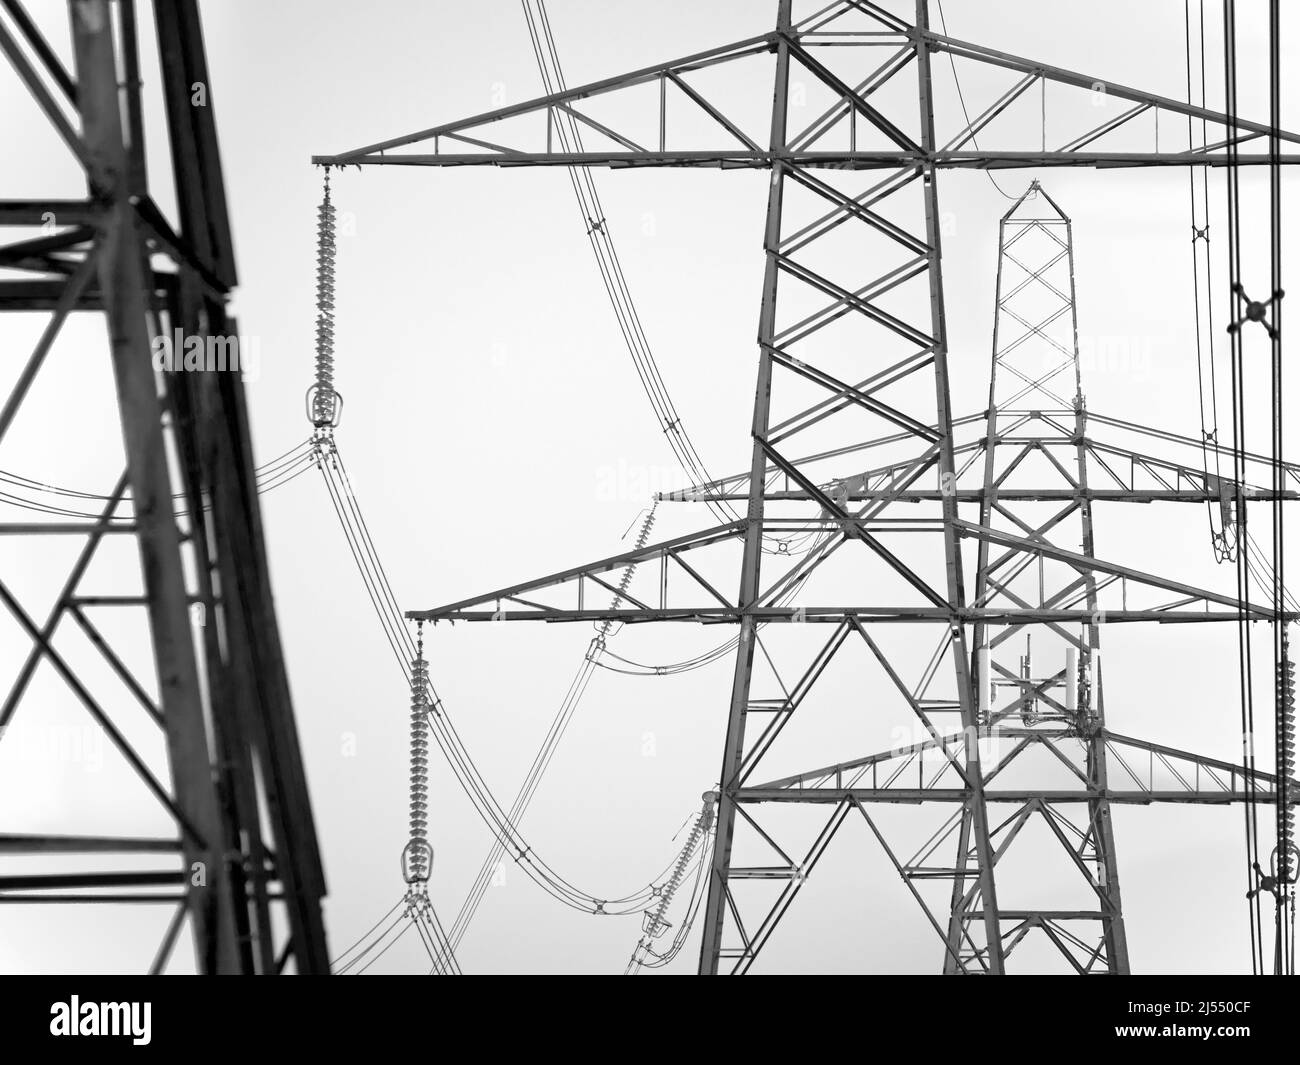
<point x="494" y="430"/>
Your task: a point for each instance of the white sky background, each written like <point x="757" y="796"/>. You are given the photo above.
<point x="494" y="430"/>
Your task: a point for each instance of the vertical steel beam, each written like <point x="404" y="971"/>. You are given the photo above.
<point x="126" y="296"/>
<point x="733" y="751"/>
<point x="196" y="159"/>
<point x="966" y="694"/>
<point x="254" y="722"/>
<point x="1099" y="817"/>
<point x="957" y="921"/>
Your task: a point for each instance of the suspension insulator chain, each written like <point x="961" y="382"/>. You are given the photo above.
<point x="417" y="857"/>
<point x="654" y="924"/>
<point x="324" y="404"/>
<point x="1286" y="731"/>
<point x="628" y="573"/>
<point x="703" y="823"/>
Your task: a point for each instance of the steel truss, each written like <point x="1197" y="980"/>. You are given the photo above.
<point x="856" y="452"/>
<point x="241" y="866"/>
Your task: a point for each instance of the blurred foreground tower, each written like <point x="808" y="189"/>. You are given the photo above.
<point x="203" y="717"/>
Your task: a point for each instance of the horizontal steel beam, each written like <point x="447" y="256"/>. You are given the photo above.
<point x="976" y="495"/>
<point x="24" y="898"/>
<point x="833" y="614"/>
<point x="62" y="528"/>
<point x="51" y="212"/>
<point x="861" y="160"/>
<point x="1047" y="915"/>
<point x="55" y="881"/>
<point x="909" y="796"/>
<point x="43" y="295"/>
<point x="33" y="844"/>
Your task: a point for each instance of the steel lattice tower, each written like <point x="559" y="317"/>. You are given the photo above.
<point x="1037" y="408"/>
<point x="855" y="442"/>
<point x="240" y="866"/>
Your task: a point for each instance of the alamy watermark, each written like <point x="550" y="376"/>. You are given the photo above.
<point x="217" y="353"/>
<point x="635" y="482"/>
<point x="77" y="1018"/>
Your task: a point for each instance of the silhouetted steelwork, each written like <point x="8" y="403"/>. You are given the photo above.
<point x="856" y="451"/>
<point x="242" y="864"/>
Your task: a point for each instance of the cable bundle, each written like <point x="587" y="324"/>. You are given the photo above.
<point x="508" y="839"/>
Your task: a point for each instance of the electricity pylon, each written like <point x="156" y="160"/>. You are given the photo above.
<point x="1037" y="411"/>
<point x="210" y="734"/>
<point x="853" y="527"/>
